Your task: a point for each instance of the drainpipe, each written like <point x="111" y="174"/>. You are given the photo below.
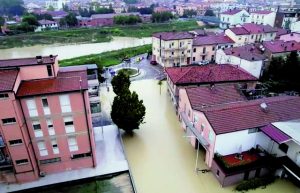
<point x="87" y="124"/>
<point x="30" y="142"/>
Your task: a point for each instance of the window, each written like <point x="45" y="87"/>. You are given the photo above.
<point x="37" y="129"/>
<point x="4" y="96"/>
<point x="196" y="119"/>
<point x="194" y="50"/>
<point x="189" y="113"/>
<point x="204" y="50"/>
<point x="283" y="147"/>
<point x="45" y="106"/>
<point x="82" y="155"/>
<point x="32" y="108"/>
<point x="211" y="136"/>
<point x="194" y="59"/>
<point x="49" y="161"/>
<point x="49" y="70"/>
<point x="203" y="57"/>
<point x="54" y="146"/>
<point x="69" y="125"/>
<point x="213" y="48"/>
<point x="51" y="130"/>
<point x="183" y="52"/>
<point x="22" y="161"/>
<point x="253" y="130"/>
<point x="218" y="173"/>
<point x="15" y="142"/>
<point x="172" y="53"/>
<point x="8" y="121"/>
<point x="72" y="143"/>
<point x="252" y="36"/>
<point x="65" y="103"/>
<point x="42" y="148"/>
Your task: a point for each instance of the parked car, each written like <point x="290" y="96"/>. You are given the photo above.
<point x="203" y="62"/>
<point x="153" y="62"/>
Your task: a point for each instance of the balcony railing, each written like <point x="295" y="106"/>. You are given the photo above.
<point x="197" y="134"/>
<point x="2" y="144"/>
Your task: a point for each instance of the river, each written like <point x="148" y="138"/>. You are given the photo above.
<point x="74" y="50"/>
<point x="161" y="159"/>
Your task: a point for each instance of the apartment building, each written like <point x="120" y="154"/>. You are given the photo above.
<point x="45" y="115"/>
<point x="250" y="33"/>
<point x="264" y="17"/>
<point x="172" y="48"/>
<point x="205" y="48"/>
<point x="233" y="17"/>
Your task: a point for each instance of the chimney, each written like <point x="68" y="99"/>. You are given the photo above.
<point x="51" y="57"/>
<point x="212" y="86"/>
<point x="264" y="107"/>
<point x="39" y="59"/>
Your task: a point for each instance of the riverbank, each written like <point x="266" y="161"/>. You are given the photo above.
<point x="93" y="35"/>
<point x="106" y="59"/>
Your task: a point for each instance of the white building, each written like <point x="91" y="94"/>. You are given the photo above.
<point x="295" y="26"/>
<point x="233" y="17"/>
<point x="263" y="17"/>
<point x="56" y="4"/>
<point x="246" y="57"/>
<point x="46" y="25"/>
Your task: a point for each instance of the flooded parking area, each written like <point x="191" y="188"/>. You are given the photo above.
<point x="161" y="158"/>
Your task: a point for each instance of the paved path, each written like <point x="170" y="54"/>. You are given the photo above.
<point x="110" y="159"/>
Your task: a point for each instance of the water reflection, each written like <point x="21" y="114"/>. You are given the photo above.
<point x="75" y="50"/>
<point x="162" y="160"/>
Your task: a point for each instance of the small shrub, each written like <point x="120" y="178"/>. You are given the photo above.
<point x="254" y="183"/>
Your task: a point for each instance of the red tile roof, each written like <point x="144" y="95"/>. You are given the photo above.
<point x="25" y="62"/>
<point x="206" y="96"/>
<point x="252" y="28"/>
<point x="265" y="12"/>
<point x="231" y="11"/>
<point x="173" y="35"/>
<point x="212" y="39"/>
<point x="208" y="74"/>
<point x="244" y="115"/>
<point x="65" y="82"/>
<point x="275" y="134"/>
<point x="7" y="79"/>
<point x="248" y="52"/>
<point x="280" y="46"/>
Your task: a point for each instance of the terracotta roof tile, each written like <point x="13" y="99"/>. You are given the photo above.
<point x="244" y="115"/>
<point x="25" y="62"/>
<point x="65" y="82"/>
<point x="280" y="46"/>
<point x="212" y="39"/>
<point x="206" y="96"/>
<point x="173" y="35"/>
<point x="208" y="74"/>
<point x="231" y="11"/>
<point x="7" y="79"/>
<point x="248" y="52"/>
<point x="275" y="134"/>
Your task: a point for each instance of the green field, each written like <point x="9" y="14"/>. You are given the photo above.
<point x="106" y="59"/>
<point x="93" y="35"/>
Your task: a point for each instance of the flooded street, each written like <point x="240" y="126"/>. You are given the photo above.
<point x="75" y="50"/>
<point x="161" y="159"/>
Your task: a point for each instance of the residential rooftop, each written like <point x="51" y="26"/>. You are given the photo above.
<point x="65" y="82"/>
<point x="26" y="61"/>
<point x="173" y="35"/>
<point x="211" y="40"/>
<point x="232" y="11"/>
<point x="7" y="79"/>
<point x="207" y="96"/>
<point x="238" y="116"/>
<point x="263" y="12"/>
<point x="280" y="46"/>
<point x="212" y="73"/>
<point x="247" y="52"/>
<point x="251" y="28"/>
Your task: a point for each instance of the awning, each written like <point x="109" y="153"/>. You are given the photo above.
<point x="275" y="134"/>
<point x="197" y="134"/>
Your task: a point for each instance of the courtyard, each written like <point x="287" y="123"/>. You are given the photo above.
<point x="161" y="158"/>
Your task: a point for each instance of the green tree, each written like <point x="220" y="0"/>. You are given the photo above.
<point x="209" y="12"/>
<point x="50" y="8"/>
<point x="31" y="20"/>
<point x="120" y="83"/>
<point x="71" y="19"/>
<point x="275" y="68"/>
<point x="189" y="13"/>
<point x="2" y="21"/>
<point x="128" y="112"/>
<point x="291" y="67"/>
<point x="161" y="16"/>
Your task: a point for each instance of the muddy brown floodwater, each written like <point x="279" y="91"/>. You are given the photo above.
<point x="162" y="160"/>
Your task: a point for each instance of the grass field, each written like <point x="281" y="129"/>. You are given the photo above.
<point x="107" y="58"/>
<point x="93" y="35"/>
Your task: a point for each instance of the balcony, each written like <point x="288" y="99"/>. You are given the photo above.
<point x="2" y="144"/>
<point x="175" y="48"/>
<point x="197" y="134"/>
<point x="5" y="162"/>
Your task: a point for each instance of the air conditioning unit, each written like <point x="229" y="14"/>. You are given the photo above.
<point x="42" y="174"/>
